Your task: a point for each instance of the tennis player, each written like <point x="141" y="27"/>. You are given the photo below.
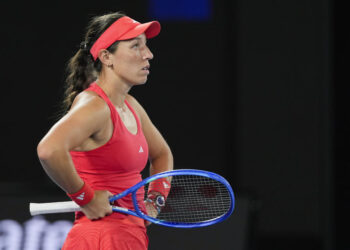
<point x="102" y="143"/>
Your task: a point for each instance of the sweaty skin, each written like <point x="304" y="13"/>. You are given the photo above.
<point x="88" y="124"/>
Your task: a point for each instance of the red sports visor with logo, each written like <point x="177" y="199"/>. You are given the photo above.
<point x="123" y="29"/>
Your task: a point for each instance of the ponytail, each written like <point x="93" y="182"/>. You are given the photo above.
<point x="81" y="73"/>
<point x="81" y="68"/>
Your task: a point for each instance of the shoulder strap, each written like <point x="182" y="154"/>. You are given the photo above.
<point x="97" y="89"/>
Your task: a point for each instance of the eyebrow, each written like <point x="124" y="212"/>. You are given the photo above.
<point x="138" y="38"/>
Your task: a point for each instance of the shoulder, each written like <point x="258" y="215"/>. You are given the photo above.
<point x="88" y="99"/>
<point x="90" y="103"/>
<point x="136" y="106"/>
<point x="132" y="101"/>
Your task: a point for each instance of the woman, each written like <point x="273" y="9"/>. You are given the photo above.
<point x="102" y="143"/>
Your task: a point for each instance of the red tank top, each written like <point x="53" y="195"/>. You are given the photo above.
<point x="116" y="165"/>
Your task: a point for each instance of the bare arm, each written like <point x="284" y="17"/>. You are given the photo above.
<point x="87" y="116"/>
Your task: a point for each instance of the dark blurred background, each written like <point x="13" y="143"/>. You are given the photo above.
<point x="254" y="90"/>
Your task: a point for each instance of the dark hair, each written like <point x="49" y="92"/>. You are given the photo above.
<point x="82" y="69"/>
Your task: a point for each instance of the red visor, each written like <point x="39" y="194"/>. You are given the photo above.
<point x="123" y="29"/>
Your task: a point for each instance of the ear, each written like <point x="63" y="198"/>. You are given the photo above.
<point x="105" y="57"/>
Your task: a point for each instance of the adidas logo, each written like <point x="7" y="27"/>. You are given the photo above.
<point x="81" y="196"/>
<point x="141" y="149"/>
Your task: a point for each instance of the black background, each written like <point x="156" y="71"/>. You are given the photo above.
<point x="257" y="93"/>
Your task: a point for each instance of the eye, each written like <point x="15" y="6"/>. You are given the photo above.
<point x="136" y="45"/>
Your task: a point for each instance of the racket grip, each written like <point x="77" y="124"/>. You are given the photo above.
<point x="53" y="207"/>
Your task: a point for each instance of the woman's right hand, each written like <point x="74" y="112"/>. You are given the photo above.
<point x="99" y="206"/>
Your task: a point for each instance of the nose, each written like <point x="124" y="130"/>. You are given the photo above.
<point x="147" y="54"/>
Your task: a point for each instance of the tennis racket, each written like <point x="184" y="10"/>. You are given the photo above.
<point x="197" y="198"/>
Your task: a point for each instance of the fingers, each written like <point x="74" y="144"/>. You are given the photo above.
<point x="151" y="210"/>
<point x="99" y="206"/>
<point x="109" y="211"/>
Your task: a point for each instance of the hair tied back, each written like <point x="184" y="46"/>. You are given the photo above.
<point x="83" y="45"/>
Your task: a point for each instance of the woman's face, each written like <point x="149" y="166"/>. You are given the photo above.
<point x="131" y="60"/>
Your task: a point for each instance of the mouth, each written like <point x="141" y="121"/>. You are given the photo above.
<point x="146" y="68"/>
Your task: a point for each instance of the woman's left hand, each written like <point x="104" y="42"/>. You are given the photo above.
<point x="151" y="211"/>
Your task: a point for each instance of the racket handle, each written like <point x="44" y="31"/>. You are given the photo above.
<point x="53" y="207"/>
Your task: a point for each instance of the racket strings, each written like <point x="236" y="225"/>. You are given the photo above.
<point x="194" y="199"/>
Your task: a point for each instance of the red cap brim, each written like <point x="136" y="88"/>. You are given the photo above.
<point x="151" y="29"/>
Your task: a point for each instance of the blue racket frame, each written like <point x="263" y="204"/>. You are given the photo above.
<point x="140" y="214"/>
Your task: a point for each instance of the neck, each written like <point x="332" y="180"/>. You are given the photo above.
<point x="115" y="89"/>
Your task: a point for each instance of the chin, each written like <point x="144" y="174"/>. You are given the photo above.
<point x="141" y="82"/>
